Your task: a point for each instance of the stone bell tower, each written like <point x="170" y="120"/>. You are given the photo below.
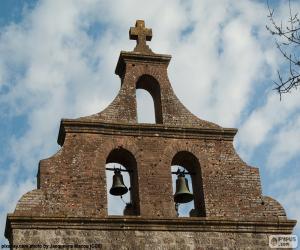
<point x="69" y="206"/>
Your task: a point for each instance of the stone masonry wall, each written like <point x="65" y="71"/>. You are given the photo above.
<point x="136" y="240"/>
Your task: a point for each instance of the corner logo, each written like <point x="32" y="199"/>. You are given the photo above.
<point x="283" y="241"/>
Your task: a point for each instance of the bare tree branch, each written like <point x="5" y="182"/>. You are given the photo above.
<point x="288" y="43"/>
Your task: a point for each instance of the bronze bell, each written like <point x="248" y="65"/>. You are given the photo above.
<point x="118" y="187"/>
<point x="183" y="194"/>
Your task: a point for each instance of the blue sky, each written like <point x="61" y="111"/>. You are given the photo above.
<point x="57" y="60"/>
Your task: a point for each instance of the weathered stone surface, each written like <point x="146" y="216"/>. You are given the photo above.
<point x="69" y="205"/>
<point x="140" y="239"/>
<point x="137" y="233"/>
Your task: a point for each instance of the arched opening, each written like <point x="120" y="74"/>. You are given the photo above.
<point x="184" y="209"/>
<point x="186" y="161"/>
<point x="127" y="204"/>
<point x="145" y="107"/>
<point x="150" y="84"/>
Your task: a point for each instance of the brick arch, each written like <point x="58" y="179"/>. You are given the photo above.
<point x="150" y="84"/>
<point x="124" y="153"/>
<point x="155" y="81"/>
<point x="188" y="157"/>
<point x="159" y="74"/>
<point x="124" y="144"/>
<point x="172" y="149"/>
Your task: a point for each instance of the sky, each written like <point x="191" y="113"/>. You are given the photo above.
<point x="57" y="60"/>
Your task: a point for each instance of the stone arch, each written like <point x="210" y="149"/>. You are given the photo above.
<point x="124" y="157"/>
<point x="159" y="74"/>
<point x="150" y="84"/>
<point x="191" y="163"/>
<point x="199" y="163"/>
<point x="178" y="146"/>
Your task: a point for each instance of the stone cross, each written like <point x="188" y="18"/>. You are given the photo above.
<point x="141" y="35"/>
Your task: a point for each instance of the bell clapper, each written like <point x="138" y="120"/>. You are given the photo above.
<point x="176" y="208"/>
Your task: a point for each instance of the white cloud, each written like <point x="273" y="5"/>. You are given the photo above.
<point x="273" y="115"/>
<point x="286" y="190"/>
<point x="286" y="145"/>
<point x="222" y="59"/>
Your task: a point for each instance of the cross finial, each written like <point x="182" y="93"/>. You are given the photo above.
<point x="141" y="35"/>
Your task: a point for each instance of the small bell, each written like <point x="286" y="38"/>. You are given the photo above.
<point x="118" y="187"/>
<point x="182" y="194"/>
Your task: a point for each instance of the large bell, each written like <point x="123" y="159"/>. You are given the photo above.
<point x="118" y="187"/>
<point x="183" y="194"/>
